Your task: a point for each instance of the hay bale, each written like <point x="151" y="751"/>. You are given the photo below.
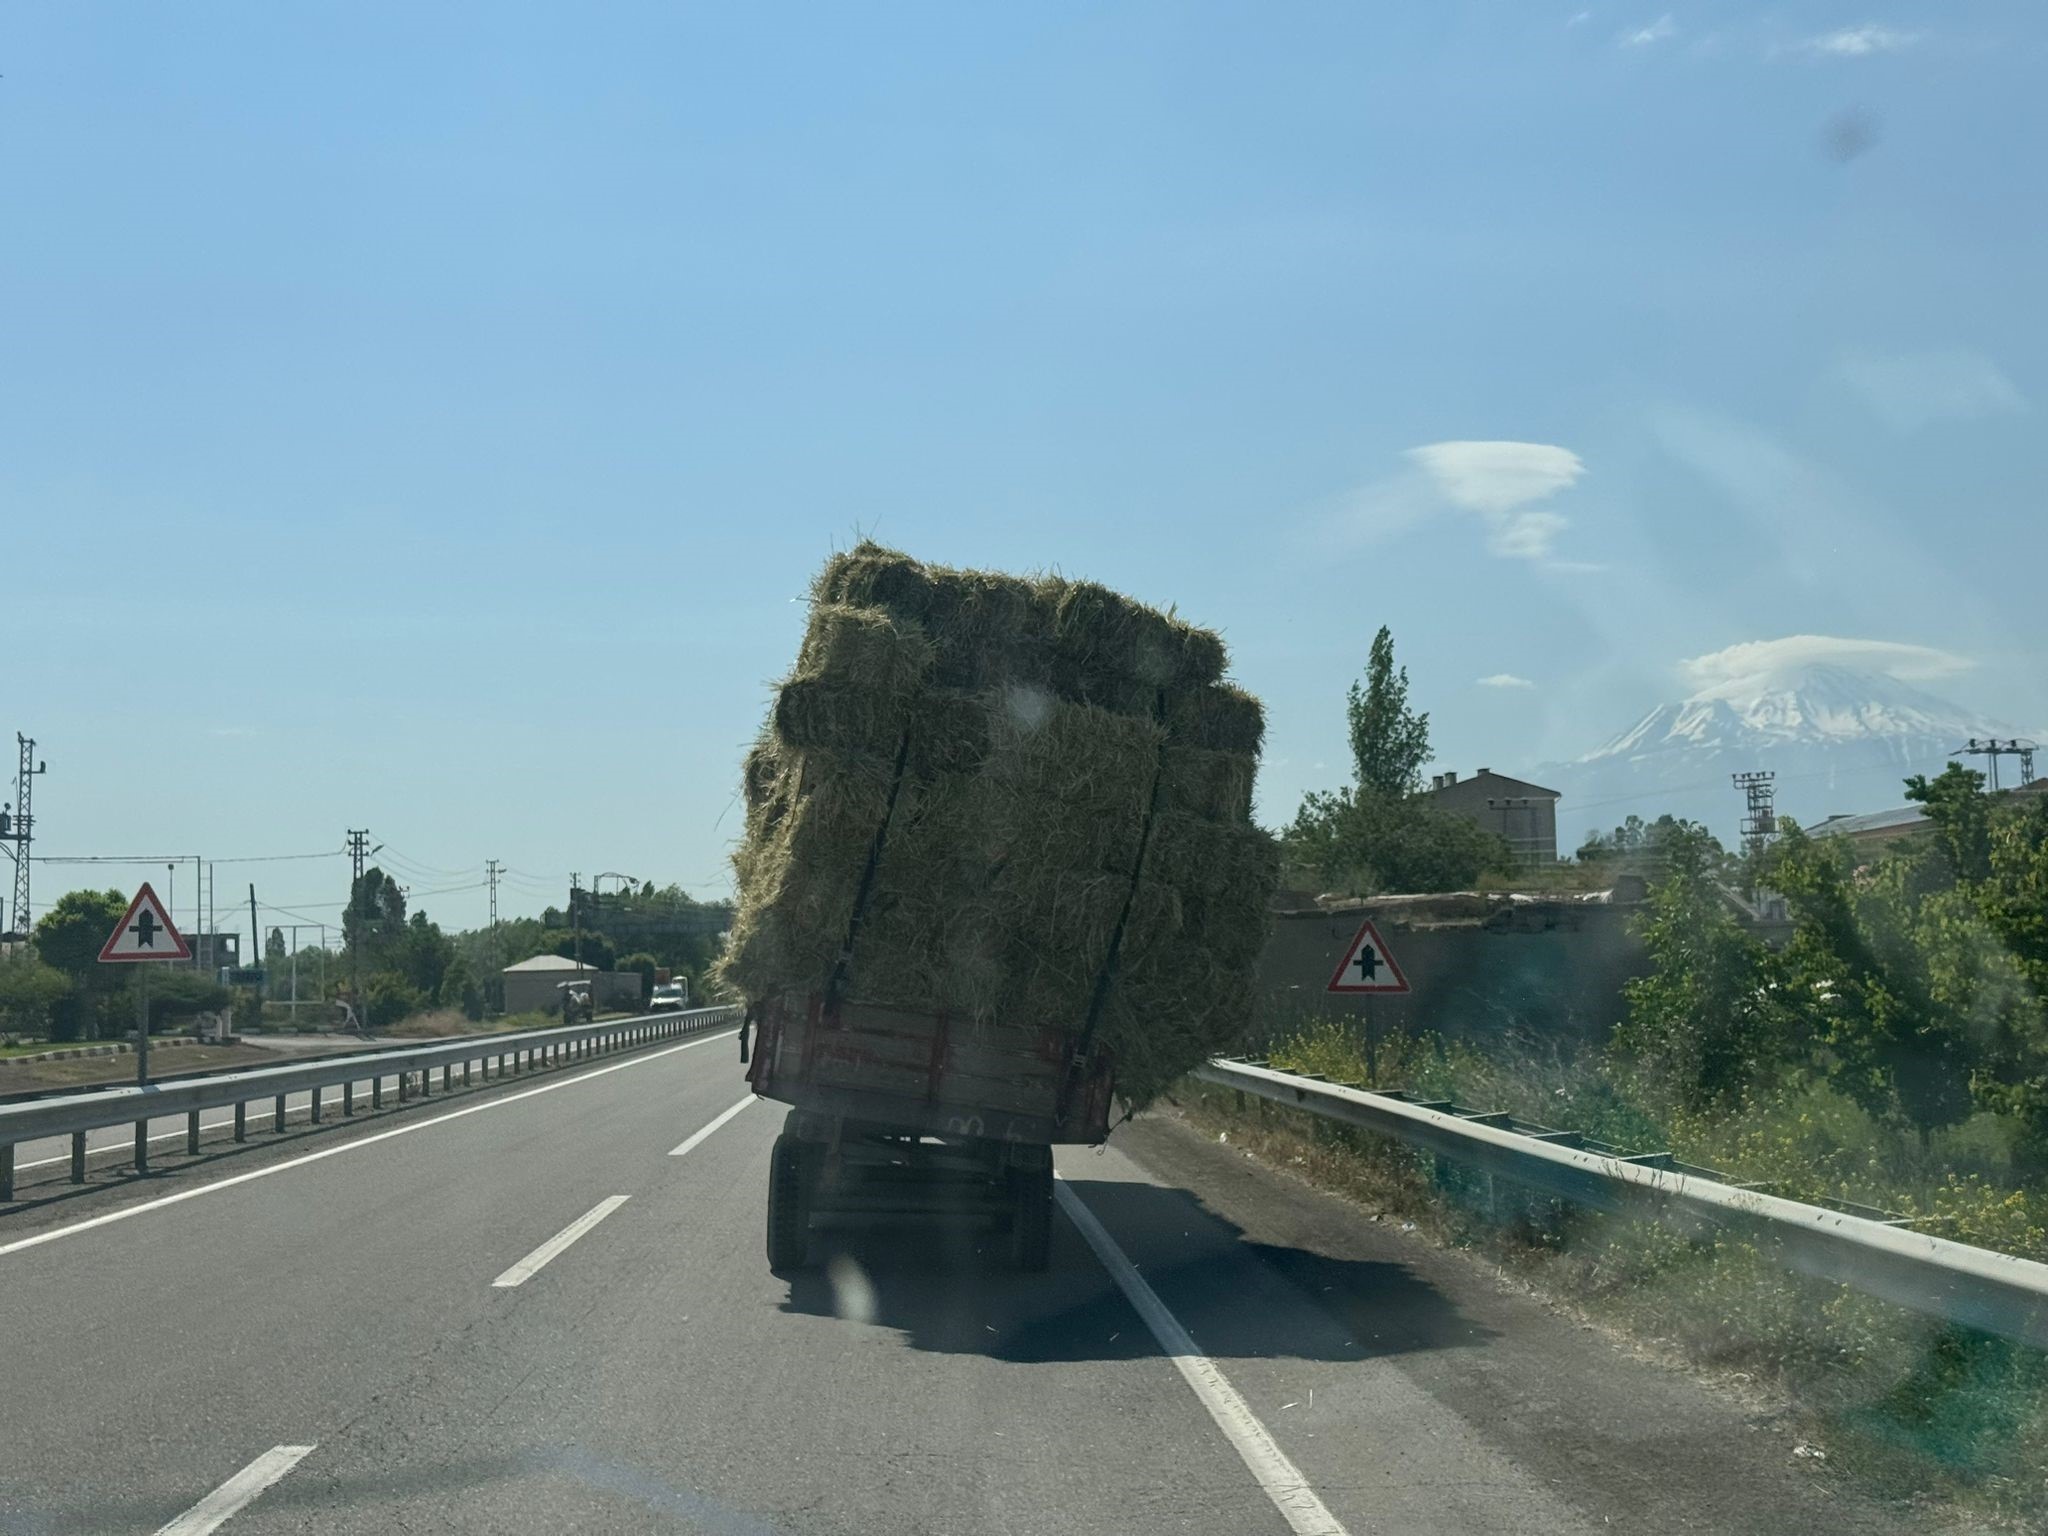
<point x="986" y="627"/>
<point x="949" y="733"/>
<point x="1208" y="1003"/>
<point x="1214" y="785"/>
<point x="1218" y="717"/>
<point x="1100" y="634"/>
<point x="798" y="882"/>
<point x="1044" y="790"/>
<point x="868" y="649"/>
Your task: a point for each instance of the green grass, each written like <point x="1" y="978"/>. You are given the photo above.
<point x="38" y="1047"/>
<point x="1913" y="1408"/>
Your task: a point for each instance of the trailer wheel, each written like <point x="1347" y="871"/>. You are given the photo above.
<point x="1031" y="1218"/>
<point x="789" y="1204"/>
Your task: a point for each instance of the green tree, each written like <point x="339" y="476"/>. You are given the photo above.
<point x="1709" y="1020"/>
<point x="598" y="951"/>
<point x="460" y="989"/>
<point x="646" y="965"/>
<point x="1389" y="741"/>
<point x="373" y="923"/>
<point x="1639" y="844"/>
<point x="276" y="962"/>
<point x="31" y="993"/>
<point x="1902" y="1024"/>
<point x="421" y="954"/>
<point x="1961" y="813"/>
<point x="1370" y="844"/>
<point x="69" y="937"/>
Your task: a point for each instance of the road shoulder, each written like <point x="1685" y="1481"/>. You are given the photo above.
<point x="1625" y="1439"/>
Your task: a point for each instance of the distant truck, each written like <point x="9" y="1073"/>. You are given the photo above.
<point x="669" y="996"/>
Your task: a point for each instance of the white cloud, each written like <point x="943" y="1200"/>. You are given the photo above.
<point x="1753" y="659"/>
<point x="1578" y="18"/>
<point x="1656" y="32"/>
<point x="1911" y="390"/>
<point x="1861" y="42"/>
<point x="1498" y="480"/>
<point x="1505" y="680"/>
<point x="1497" y="476"/>
<point x="1525" y="535"/>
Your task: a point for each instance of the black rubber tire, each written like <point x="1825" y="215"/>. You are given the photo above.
<point x="789" y="1205"/>
<point x="1031" y="1219"/>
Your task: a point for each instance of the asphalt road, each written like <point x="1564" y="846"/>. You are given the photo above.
<point x="519" y="1310"/>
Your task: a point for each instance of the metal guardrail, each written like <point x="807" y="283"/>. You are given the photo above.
<point x="75" y="1115"/>
<point x="1977" y="1287"/>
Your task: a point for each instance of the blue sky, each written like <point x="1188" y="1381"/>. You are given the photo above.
<point x="422" y="418"/>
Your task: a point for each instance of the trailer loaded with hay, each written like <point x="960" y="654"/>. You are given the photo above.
<point x="999" y="877"/>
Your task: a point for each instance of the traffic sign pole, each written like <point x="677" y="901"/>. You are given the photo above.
<point x="142" y="1029"/>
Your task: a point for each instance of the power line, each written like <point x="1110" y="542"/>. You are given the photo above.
<point x="392" y="855"/>
<point x="160" y="858"/>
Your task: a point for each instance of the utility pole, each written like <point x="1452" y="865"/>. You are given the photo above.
<point x="576" y="918"/>
<point x="18" y="827"/>
<point x="255" y="935"/>
<point x="358" y="850"/>
<point x="491" y="868"/>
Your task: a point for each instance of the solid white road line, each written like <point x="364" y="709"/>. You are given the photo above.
<point x="1281" y="1480"/>
<point x="697" y="1138"/>
<point x="108" y="1218"/>
<point x="537" y="1260"/>
<point x="212" y="1512"/>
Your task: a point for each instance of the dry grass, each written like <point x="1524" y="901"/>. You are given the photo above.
<point x="1916" y="1409"/>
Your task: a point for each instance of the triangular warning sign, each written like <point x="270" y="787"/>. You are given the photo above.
<point x="1367" y="967"/>
<point x="145" y="933"/>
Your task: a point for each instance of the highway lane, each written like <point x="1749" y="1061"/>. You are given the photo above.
<point x="652" y="1375"/>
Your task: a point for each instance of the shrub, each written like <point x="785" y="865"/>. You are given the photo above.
<point x="389" y="997"/>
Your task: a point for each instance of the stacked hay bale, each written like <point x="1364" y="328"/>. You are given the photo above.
<point x="995" y="797"/>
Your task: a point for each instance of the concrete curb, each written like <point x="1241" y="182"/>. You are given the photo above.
<point x="109" y="1048"/>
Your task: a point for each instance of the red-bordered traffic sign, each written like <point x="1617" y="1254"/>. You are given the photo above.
<point x="144" y="934"/>
<point x="1366" y="966"/>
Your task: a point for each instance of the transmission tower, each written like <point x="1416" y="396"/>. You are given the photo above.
<point x="18" y="827"/>
<point x="1994" y="749"/>
<point x="1760" y="823"/>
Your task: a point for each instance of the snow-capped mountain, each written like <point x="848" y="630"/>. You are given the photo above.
<point x="1840" y="740"/>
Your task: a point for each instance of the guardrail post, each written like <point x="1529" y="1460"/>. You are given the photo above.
<point x="465" y="1074"/>
<point x="142" y="1146"/>
<point x="316" y="1105"/>
<point x="348" y="1099"/>
<point x="78" y="1157"/>
<point x="377" y="1091"/>
<point x="192" y="1134"/>
<point x="426" y="1082"/>
<point x="277" y="1115"/>
<point x="447" y="1076"/>
<point x="241" y="1120"/>
<point x="6" y="1170"/>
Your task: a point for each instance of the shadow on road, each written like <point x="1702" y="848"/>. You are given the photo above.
<point x="952" y="1290"/>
